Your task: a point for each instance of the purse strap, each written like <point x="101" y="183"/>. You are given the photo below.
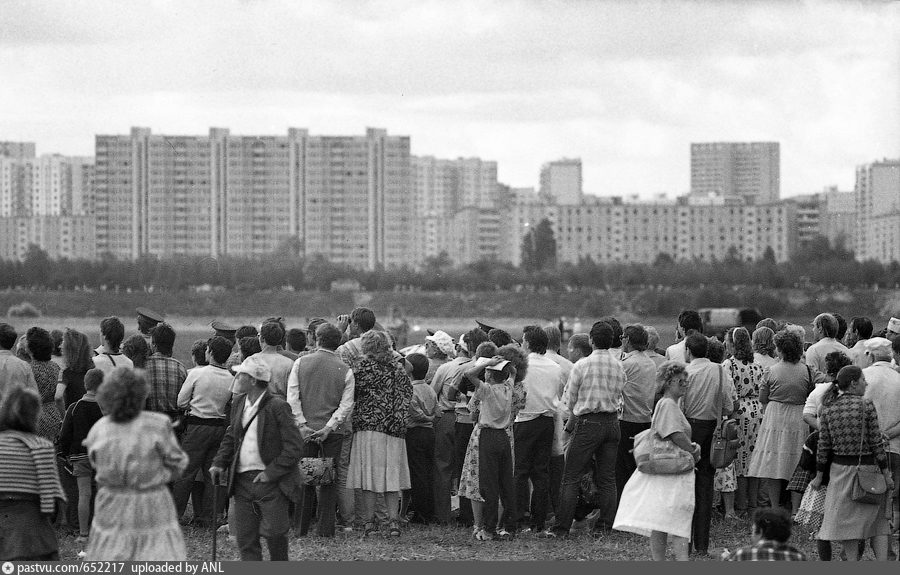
<point x="718" y="405"/>
<point x="862" y="430"/>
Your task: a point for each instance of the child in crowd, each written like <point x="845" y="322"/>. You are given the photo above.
<point x="79" y="418"/>
<point x="419" y="499"/>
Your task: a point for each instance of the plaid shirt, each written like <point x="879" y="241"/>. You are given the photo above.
<point x="165" y="375"/>
<point x="768" y="550"/>
<point x="595" y="384"/>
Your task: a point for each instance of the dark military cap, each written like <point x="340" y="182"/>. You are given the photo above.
<point x="223" y="329"/>
<point x="150" y="314"/>
<point x="484" y="327"/>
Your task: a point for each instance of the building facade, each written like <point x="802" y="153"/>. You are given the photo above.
<point x="562" y="182"/>
<point x="877" y="194"/>
<point x="750" y="170"/>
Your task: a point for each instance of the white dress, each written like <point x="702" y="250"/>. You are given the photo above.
<point x="659" y="502"/>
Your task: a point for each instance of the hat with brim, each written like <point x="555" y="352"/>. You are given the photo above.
<point x="149" y="314"/>
<point x="894" y="325"/>
<point x="878" y="345"/>
<point x="315" y="323"/>
<point x="223" y="329"/>
<point x="255" y="368"/>
<point x="443" y="341"/>
<point x="484" y="327"/>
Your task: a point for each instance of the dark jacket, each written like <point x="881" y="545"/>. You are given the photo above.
<point x="280" y="443"/>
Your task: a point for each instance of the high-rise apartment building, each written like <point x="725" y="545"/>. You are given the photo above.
<point x="70" y="237"/>
<point x="747" y="170"/>
<point x="49" y="185"/>
<point x="346" y="198"/>
<point x="877" y="194"/>
<point x="561" y="180"/>
<point x="17" y="150"/>
<point x="826" y="216"/>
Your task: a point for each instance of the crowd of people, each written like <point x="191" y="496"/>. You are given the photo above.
<point x="532" y="438"/>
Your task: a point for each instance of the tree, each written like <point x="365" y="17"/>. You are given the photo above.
<point x="539" y="247"/>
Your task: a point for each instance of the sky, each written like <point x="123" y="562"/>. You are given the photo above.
<point x="625" y="86"/>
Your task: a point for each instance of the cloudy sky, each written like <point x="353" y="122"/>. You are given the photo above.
<point x="625" y="86"/>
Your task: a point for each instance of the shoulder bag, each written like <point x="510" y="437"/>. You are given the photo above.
<point x="869" y="487"/>
<point x="316" y="471"/>
<point x="725" y="441"/>
<point x="657" y="456"/>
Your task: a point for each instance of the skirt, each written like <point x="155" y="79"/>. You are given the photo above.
<point x="800" y="480"/>
<point x="26" y="532"/>
<point x="844" y="519"/>
<point x="135" y="526"/>
<point x="779" y="443"/>
<point x="378" y="463"/>
<point x="469" y="486"/>
<point x="657" y="503"/>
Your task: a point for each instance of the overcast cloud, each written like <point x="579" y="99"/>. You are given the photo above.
<point x="626" y="87"/>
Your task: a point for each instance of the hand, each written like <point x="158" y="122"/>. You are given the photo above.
<point x="817" y="481"/>
<point x="343" y="321"/>
<point x="262" y="478"/>
<point x="321" y="435"/>
<point x="306" y="432"/>
<point x="215" y="474"/>
<point x="695" y="452"/>
<point x="889" y="480"/>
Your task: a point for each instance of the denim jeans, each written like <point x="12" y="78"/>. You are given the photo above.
<point x="595" y="436"/>
<point x="534" y="443"/>
<point x="702" y="433"/>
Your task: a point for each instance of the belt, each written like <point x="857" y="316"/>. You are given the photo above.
<point x="695" y="420"/>
<point x="854" y="459"/>
<point x="453" y="409"/>
<point x="211" y="421"/>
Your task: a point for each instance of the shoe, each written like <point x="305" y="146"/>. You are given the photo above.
<point x="394" y="529"/>
<point x="524" y="530"/>
<point x="482" y="535"/>
<point x="81" y="539"/>
<point x="504" y="535"/>
<point x="370" y="529"/>
<point x="545" y="534"/>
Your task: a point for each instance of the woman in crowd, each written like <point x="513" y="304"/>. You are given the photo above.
<point x="378" y="461"/>
<point x="764" y="347"/>
<point x="850" y="439"/>
<point x="57" y="337"/>
<point x="136" y="349"/>
<point x="747" y="376"/>
<point x="661" y="506"/>
<point x="30" y="493"/>
<point x="77" y="354"/>
<point x="135" y="456"/>
<point x="783" y="431"/>
<point x="725" y="480"/>
<point x="46" y="373"/>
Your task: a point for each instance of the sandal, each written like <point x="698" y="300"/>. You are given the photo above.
<point x="482" y="535"/>
<point x="394" y="529"/>
<point x="370" y="529"/>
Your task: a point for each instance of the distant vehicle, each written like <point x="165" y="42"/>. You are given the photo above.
<point x="718" y="320"/>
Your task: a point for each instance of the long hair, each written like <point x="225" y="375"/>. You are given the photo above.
<point x="77" y="351"/>
<point x="743" y="348"/>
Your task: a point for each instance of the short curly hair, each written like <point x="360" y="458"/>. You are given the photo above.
<point x="377" y="345"/>
<point x="40" y="344"/>
<point x="136" y="349"/>
<point x="123" y="393"/>
<point x="669" y="370"/>
<point x="789" y="344"/>
<point x="834" y="361"/>
<point x="514" y="354"/>
<point x="20" y="410"/>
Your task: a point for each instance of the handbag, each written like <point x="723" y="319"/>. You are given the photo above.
<point x="725" y="441"/>
<point x="868" y="487"/>
<point x="657" y="456"/>
<point x="316" y="471"/>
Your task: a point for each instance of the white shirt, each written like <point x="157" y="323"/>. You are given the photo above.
<point x="858" y="356"/>
<point x="884" y="390"/>
<point x="106" y="361"/>
<point x="249" y="458"/>
<point x="206" y="390"/>
<point x="562" y="362"/>
<point x="676" y="351"/>
<point x="544" y="384"/>
<point x="814" y="399"/>
<point x="815" y="355"/>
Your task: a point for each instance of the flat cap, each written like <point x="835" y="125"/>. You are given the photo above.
<point x="222" y="327"/>
<point x="150" y="314"/>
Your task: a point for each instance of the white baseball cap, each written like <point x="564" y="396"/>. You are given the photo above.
<point x="255" y="368"/>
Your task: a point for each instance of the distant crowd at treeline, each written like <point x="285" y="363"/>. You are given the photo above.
<point x="817" y="266"/>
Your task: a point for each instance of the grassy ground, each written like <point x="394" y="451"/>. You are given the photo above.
<point x="427" y="543"/>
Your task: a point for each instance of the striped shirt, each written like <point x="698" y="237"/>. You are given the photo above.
<point x="29" y="466"/>
<point x="595" y="384"/>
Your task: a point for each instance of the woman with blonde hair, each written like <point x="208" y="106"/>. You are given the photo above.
<point x="135" y="456"/>
<point x="764" y="347"/>
<point x="378" y="461"/>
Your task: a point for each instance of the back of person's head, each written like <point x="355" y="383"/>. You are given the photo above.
<point x="364" y="318"/>
<point x="602" y="335"/>
<point x="637" y="336"/>
<point x="498" y="336"/>
<point x="163" y="338"/>
<point x="78" y="353"/>
<point x="842" y="326"/>
<point x="697" y="344"/>
<point x="772" y="523"/>
<point x="715" y="350"/>
<point x="376" y="345"/>
<point x="862" y="326"/>
<point x="39" y="344"/>
<point x="763" y="341"/>
<point x="514" y="354"/>
<point x="769" y="323"/>
<point x="281" y="324"/>
<point x="617" y="330"/>
<point x="136" y="349"/>
<point x="220" y="348"/>
<point x="8" y="336"/>
<point x="834" y="361"/>
<point x="652" y="336"/>
<point x="113" y="331"/>
<point x="245" y="331"/>
<point x="847" y="375"/>
<point x="554" y="337"/>
<point x="789" y="344"/>
<point x="581" y="342"/>
<point x="198" y="351"/>
<point x="743" y="345"/>
<point x="123" y="393"/>
<point x="419" y="365"/>
<point x="537" y="339"/>
<point x="328" y="336"/>
<point x="474" y="338"/>
<point x="827" y="324"/>
<point x="249" y="345"/>
<point x="20" y="409"/>
<point x="272" y="333"/>
<point x="93" y="378"/>
<point x="295" y="339"/>
<point x="486" y="349"/>
<point x="689" y="320"/>
<point x="57" y="336"/>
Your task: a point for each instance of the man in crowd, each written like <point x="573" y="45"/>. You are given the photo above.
<point x="689" y="322"/>
<point x="108" y="357"/>
<point x="236" y="355"/>
<point x="262" y="448"/>
<point x="147" y="319"/>
<point x="859" y="331"/>
<point x="709" y="389"/>
<point x="271" y="336"/>
<point x="554" y="338"/>
<point x="320" y="393"/>
<point x="770" y="533"/>
<point x="294" y="344"/>
<point x="13" y="371"/>
<point x="594" y="388"/>
<point x="165" y="374"/>
<point x="638" y="395"/>
<point x="825" y="331"/>
<point x="579" y="347"/>
<point x="533" y="429"/>
<point x="361" y="320"/>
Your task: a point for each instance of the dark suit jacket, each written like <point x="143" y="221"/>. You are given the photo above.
<point x="280" y="443"/>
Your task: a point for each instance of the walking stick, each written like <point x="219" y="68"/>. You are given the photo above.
<point x="215" y="516"/>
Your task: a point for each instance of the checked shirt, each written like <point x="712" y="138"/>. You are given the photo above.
<point x="165" y="375"/>
<point x="767" y="550"/>
<point x="595" y="384"/>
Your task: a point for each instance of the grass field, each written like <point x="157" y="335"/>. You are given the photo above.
<point x="421" y="543"/>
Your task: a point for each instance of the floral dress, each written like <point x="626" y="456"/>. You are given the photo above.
<point x="747" y="377"/>
<point x="46" y="374"/>
<point x="469" y="486"/>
